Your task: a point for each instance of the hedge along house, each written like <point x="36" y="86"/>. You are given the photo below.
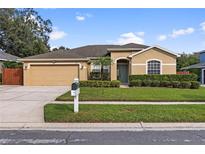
<point x="200" y="66"/>
<point x="62" y="66"/>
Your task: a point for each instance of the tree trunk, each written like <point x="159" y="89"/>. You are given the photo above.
<point x="101" y="72"/>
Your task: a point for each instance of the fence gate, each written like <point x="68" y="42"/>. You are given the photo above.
<point x="12" y="76"/>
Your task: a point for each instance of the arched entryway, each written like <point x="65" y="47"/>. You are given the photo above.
<point x="123" y="70"/>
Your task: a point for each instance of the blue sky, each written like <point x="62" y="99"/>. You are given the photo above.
<point x="180" y="30"/>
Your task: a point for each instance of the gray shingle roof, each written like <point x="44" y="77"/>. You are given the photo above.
<point x="133" y="45"/>
<point x="5" y="56"/>
<point x="203" y="51"/>
<point x="84" y="52"/>
<point x="199" y="65"/>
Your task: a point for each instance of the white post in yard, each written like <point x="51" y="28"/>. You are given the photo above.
<point x="76" y="106"/>
<point x="75" y="90"/>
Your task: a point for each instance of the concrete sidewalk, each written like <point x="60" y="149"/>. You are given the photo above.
<point x="103" y="126"/>
<point x="124" y="102"/>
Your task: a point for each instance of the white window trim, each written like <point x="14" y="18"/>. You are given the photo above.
<point x="155" y="60"/>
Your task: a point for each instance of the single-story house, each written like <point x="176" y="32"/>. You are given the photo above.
<point x="200" y="65"/>
<point x="6" y="57"/>
<point x="62" y="66"/>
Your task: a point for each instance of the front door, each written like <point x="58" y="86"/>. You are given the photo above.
<point x="123" y="73"/>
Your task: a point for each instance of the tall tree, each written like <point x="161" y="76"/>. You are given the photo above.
<point x="23" y="32"/>
<point x="61" y="48"/>
<point x="186" y="60"/>
<point x="102" y="61"/>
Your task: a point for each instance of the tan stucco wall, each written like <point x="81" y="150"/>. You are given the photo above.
<point x="114" y="56"/>
<point x="54" y="74"/>
<point x="168" y="69"/>
<point x="139" y="69"/>
<point x="139" y="61"/>
<point x="154" y="53"/>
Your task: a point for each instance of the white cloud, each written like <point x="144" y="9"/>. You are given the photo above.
<point x="203" y="26"/>
<point x="129" y="38"/>
<point x="162" y="37"/>
<point x="140" y="33"/>
<point x="82" y="16"/>
<point x="177" y="33"/>
<point x="180" y="32"/>
<point x="57" y="34"/>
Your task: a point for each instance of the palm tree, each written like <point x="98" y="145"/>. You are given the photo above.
<point x="102" y="61"/>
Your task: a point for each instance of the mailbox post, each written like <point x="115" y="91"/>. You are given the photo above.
<point x="75" y="91"/>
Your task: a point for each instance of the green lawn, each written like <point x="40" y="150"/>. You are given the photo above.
<point x="124" y="113"/>
<point x="137" y="94"/>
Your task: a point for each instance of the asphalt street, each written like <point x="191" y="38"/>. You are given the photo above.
<point x="23" y="137"/>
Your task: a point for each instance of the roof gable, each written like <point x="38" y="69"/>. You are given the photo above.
<point x="147" y="49"/>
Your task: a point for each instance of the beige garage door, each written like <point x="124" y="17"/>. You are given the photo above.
<point x="59" y="75"/>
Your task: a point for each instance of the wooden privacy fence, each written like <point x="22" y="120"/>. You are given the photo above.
<point x="12" y="76"/>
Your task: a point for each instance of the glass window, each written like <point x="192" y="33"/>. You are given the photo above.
<point x="97" y="68"/>
<point x="153" y="67"/>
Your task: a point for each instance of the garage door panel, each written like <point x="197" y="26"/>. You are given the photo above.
<point x="53" y="75"/>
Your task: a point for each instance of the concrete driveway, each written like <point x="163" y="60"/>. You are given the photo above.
<point x="25" y="103"/>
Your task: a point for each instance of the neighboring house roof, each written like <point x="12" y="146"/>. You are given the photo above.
<point x="146" y="49"/>
<point x="203" y="51"/>
<point x="199" y="65"/>
<point x="7" y="57"/>
<point x="85" y="51"/>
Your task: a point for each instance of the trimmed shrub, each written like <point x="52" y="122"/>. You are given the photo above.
<point x="97" y="76"/>
<point x="115" y="83"/>
<point x="166" y="84"/>
<point x="94" y="76"/>
<point x="195" y="85"/>
<point x="146" y="83"/>
<point x="185" y="84"/>
<point x="136" y="83"/>
<point x="98" y="83"/>
<point x="167" y="77"/>
<point x="175" y="84"/>
<point x="155" y="83"/>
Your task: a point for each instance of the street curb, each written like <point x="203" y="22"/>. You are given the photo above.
<point x="88" y="127"/>
<point x="131" y="102"/>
